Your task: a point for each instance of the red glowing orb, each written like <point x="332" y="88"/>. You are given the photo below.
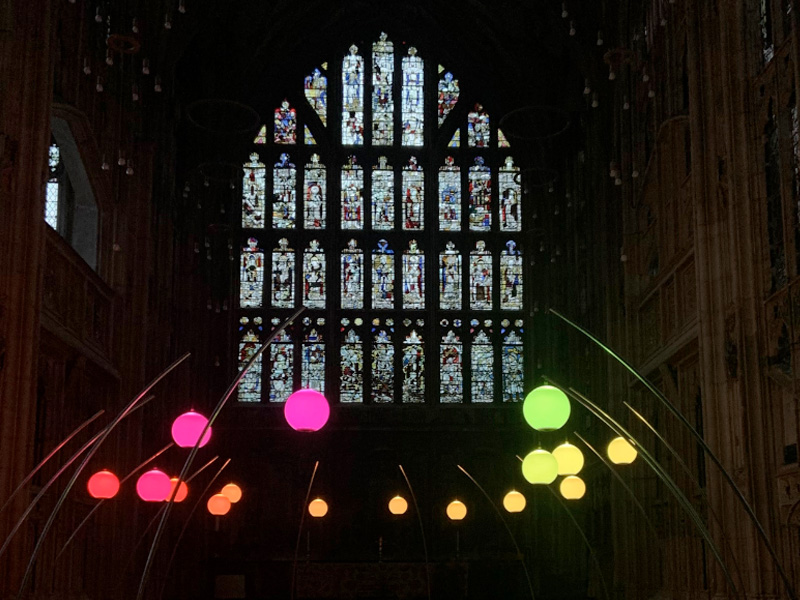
<point x="183" y="490"/>
<point x="307" y="410"/>
<point x="219" y="505"/>
<point x="188" y="427"/>
<point x="103" y="484"/>
<point x="154" y="486"/>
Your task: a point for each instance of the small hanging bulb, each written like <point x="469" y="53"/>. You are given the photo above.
<point x="135" y="92"/>
<point x="206" y="182"/>
<point x="121" y="159"/>
<point x="564" y="13"/>
<point x="651" y="93"/>
<point x="99" y="85"/>
<point x="135" y="25"/>
<point x="551" y="188"/>
<point x="556" y="210"/>
<point x="208" y="242"/>
<point x="210" y="304"/>
<point x="599" y="38"/>
<point x="167" y="21"/>
<point x="145" y="66"/>
<point x="535" y="215"/>
<point x="611" y="74"/>
<point x="225" y="305"/>
<point x="618" y="181"/>
<point x="612" y="169"/>
<point x="232" y="185"/>
<point x="72" y="1"/>
<point x="595" y="100"/>
<point x="586" y="87"/>
<point x="635" y="173"/>
<point x="182" y="7"/>
<point x="216" y="360"/>
<point x="129" y="168"/>
<point x="541" y="247"/>
<point x="105" y="166"/>
<point x="572" y="30"/>
<point x="645" y="77"/>
<point x="196" y="248"/>
<point x="208" y="255"/>
<point x="199" y="205"/>
<point x="157" y="85"/>
<point x="558" y="250"/>
<point x="625" y="104"/>
<point x="109" y="58"/>
<point x="663" y="21"/>
<point x="222" y="209"/>
<point x="622" y="256"/>
<point x="216" y="304"/>
<point x="553" y="259"/>
<point x="87" y="66"/>
<point x="98" y="17"/>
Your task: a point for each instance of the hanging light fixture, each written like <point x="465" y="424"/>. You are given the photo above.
<point x="187" y="428"/>
<point x="153" y="486"/>
<point x="103" y="485"/>
<point x="183" y="490"/>
<point x="306" y="410"/>
<point x="540" y="467"/>
<point x="318" y="508"/>
<point x="621" y="452"/>
<point x="218" y="505"/>
<point x="514" y="502"/>
<point x="572" y="488"/>
<point x="569" y="458"/>
<point x="398" y="505"/>
<point x="456" y="510"/>
<point x="546" y="408"/>
<point x="233" y="492"/>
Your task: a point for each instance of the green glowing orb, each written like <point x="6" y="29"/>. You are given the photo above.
<point x="546" y="408"/>
<point x="540" y="467"/>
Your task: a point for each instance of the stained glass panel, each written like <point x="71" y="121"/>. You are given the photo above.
<point x="382" y="96"/>
<point x="382" y="368"/>
<point x="281" y="368"/>
<point x="513" y="372"/>
<point x="482" y="368"/>
<point x="413" y="369"/>
<point x="353" y="98"/>
<point x="352" y="366"/>
<point x="285" y="124"/>
<point x="480" y="277"/>
<point x="451" y="378"/>
<point x="450" y="278"/>
<point x="448" y="95"/>
<point x="383" y="276"/>
<point x="480" y="196"/>
<point x="352" y="195"/>
<point x="511" y="277"/>
<point x="413" y="196"/>
<point x="413" y="99"/>
<point x="316" y="90"/>
<point x="413" y="277"/>
<point x="316" y="194"/>
<point x="283" y="275"/>
<point x="312" y="370"/>
<point x="478" y="128"/>
<point x="308" y="137"/>
<point x="253" y="191"/>
<point x="449" y="196"/>
<point x="352" y="276"/>
<point x="261" y="138"/>
<point x="502" y="141"/>
<point x="284" y="193"/>
<point x="382" y="196"/>
<point x="251" y="278"/>
<point x="314" y="276"/>
<point x="455" y="141"/>
<point x="52" y="192"/>
<point x="510" y="195"/>
<point x="249" y="389"/>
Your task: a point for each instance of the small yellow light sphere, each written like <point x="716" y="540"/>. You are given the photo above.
<point x="540" y="467"/>
<point x="621" y="452"/>
<point x="572" y="488"/>
<point x="318" y="508"/>
<point x="570" y="459"/>
<point x="456" y="510"/>
<point x="398" y="505"/>
<point x="514" y="502"/>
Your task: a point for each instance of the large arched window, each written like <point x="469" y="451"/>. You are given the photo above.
<point x="394" y="215"/>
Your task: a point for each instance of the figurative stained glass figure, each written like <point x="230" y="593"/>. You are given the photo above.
<point x="284" y="193"/>
<point x="261" y="138"/>
<point x="352" y="195"/>
<point x="283" y="263"/>
<point x="251" y="278"/>
<point x="382" y="96"/>
<point x="478" y="128"/>
<point x="451" y="378"/>
<point x="312" y="367"/>
<point x="511" y="277"/>
<point x="383" y="276"/>
<point x="413" y="277"/>
<point x="308" y="137"/>
<point x="480" y="277"/>
<point x="513" y="370"/>
<point x="480" y="196"/>
<point x="316" y="194"/>
<point x="448" y="95"/>
<point x="455" y="141"/>
<point x="502" y="140"/>
<point x="510" y="194"/>
<point x="482" y="368"/>
<point x="413" y="196"/>
<point x="450" y="278"/>
<point x="314" y="276"/>
<point x="253" y="191"/>
<point x="249" y="389"/>
<point x="413" y="369"/>
<point x="413" y="99"/>
<point x="351" y="388"/>
<point x="352" y="277"/>
<point x="285" y="124"/>
<point x="382" y="368"/>
<point x="52" y="192"/>
<point x="449" y="196"/>
<point x="353" y="98"/>
<point x="382" y="196"/>
<point x="281" y="368"/>
<point x="316" y="91"/>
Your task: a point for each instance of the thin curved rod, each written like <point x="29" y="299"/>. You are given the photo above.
<point x="508" y="529"/>
<point x="300" y="529"/>
<point x="104" y="435"/>
<point x="47" y="458"/>
<point x="421" y="530"/>
<point x="677" y="413"/>
<point x="190" y="458"/>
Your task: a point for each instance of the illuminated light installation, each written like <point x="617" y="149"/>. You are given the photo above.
<point x="318" y="508"/>
<point x="621" y="452"/>
<point x="456" y="510"/>
<point x="572" y="488"/>
<point x="219" y="505"/>
<point x="307" y="410"/>
<point x="103" y="485"/>
<point x="154" y="486"/>
<point x="514" y="502"/>
<point x="187" y="428"/>
<point x="233" y="492"/>
<point x="570" y="459"/>
<point x="546" y="408"/>
<point x="540" y="467"/>
<point x="183" y="490"/>
<point x="398" y="505"/>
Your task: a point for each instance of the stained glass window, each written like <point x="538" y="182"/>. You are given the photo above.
<point x="352" y="195"/>
<point x="312" y="371"/>
<point x="382" y="196"/>
<point x="382" y="367"/>
<point x="511" y="277"/>
<point x="478" y="128"/>
<point x="451" y="379"/>
<point x="261" y="138"/>
<point x="413" y="277"/>
<point x="352" y="367"/>
<point x="502" y="141"/>
<point x="308" y="137"/>
<point x="482" y="366"/>
<point x="352" y="276"/>
<point x="383" y="276"/>
<point x="450" y="278"/>
<point x="455" y="141"/>
<point x="382" y="96"/>
<point x="413" y="99"/>
<point x="510" y="196"/>
<point x="253" y="191"/>
<point x="314" y="276"/>
<point x="480" y="196"/>
<point x="51" y="197"/>
<point x="353" y="98"/>
<point x="251" y="277"/>
<point x="448" y="95"/>
<point x="281" y="367"/>
<point x="284" y="193"/>
<point x="285" y="124"/>
<point x="449" y="196"/>
<point x="513" y="379"/>
<point x="413" y="196"/>
<point x="413" y="368"/>
<point x="250" y="386"/>
<point x="316" y="90"/>
<point x="283" y="275"/>
<point x="480" y="277"/>
<point x="316" y="194"/>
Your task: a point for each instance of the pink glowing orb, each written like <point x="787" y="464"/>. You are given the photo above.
<point x="307" y="410"/>
<point x="154" y="486"/>
<point x="103" y="484"/>
<point x="188" y="427"/>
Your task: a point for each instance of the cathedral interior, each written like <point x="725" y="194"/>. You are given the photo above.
<point x="424" y="210"/>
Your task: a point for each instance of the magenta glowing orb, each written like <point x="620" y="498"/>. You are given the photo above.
<point x="103" y="485"/>
<point x="307" y="410"/>
<point x="154" y="486"/>
<point x="188" y="427"/>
